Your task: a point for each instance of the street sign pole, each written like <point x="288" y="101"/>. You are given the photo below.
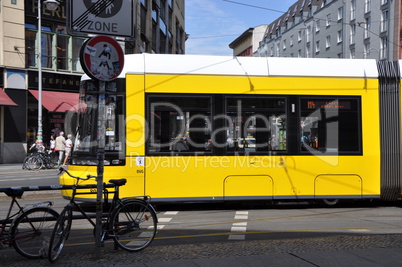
<point x="102" y="59"/>
<point x="100" y="157"/>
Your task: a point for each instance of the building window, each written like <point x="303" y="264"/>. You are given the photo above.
<point x="317" y="47"/>
<point x="367" y="6"/>
<point x="299" y="36"/>
<point x="317" y="26"/>
<point x="384" y="48"/>
<point x="308" y="50"/>
<point x="367" y="28"/>
<point x="353" y="10"/>
<point x="340" y="13"/>
<point x="328" y="22"/>
<point x="328" y="42"/>
<point x="367" y="51"/>
<point x="383" y="2"/>
<point x="352" y="33"/>
<point x="384" y="21"/>
<point x="291" y="41"/>
<point x="299" y="53"/>
<point x="308" y="31"/>
<point x="60" y="51"/>
<point x="284" y="44"/>
<point x="352" y="53"/>
<point x="339" y="36"/>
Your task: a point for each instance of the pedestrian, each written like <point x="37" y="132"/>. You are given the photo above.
<point x="69" y="146"/>
<point x="52" y="143"/>
<point x="60" y="146"/>
<point x="36" y="147"/>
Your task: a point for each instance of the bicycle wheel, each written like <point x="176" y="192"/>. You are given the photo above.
<point x="31" y="231"/>
<point x="49" y="164"/>
<point x="35" y="163"/>
<point x="133" y="225"/>
<point x="60" y="234"/>
<point x="25" y="163"/>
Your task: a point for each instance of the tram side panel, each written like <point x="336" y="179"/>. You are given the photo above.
<point x="286" y="176"/>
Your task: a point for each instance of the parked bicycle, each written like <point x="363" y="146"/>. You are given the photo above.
<point x="27" y="229"/>
<point x="40" y="160"/>
<point x="130" y="222"/>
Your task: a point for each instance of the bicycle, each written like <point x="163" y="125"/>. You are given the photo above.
<point x="40" y="160"/>
<point x="28" y="230"/>
<point x="130" y="222"/>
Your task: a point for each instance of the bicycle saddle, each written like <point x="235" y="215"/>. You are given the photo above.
<point x="118" y="182"/>
<point x="13" y="192"/>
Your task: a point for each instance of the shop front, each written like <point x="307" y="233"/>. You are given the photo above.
<point x="59" y="96"/>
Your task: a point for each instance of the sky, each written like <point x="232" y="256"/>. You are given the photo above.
<point x="214" y="24"/>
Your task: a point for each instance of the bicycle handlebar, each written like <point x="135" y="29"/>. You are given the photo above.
<point x="63" y="170"/>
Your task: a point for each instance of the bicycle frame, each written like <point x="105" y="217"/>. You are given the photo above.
<point x="7" y="223"/>
<point x="115" y="201"/>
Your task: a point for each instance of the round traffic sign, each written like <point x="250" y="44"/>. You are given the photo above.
<point x="102" y="58"/>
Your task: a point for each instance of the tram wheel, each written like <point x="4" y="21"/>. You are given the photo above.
<point x="330" y="202"/>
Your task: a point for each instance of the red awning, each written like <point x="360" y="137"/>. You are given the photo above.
<point x="5" y="100"/>
<point x="58" y="101"/>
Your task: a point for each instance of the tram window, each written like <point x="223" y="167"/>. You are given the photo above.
<point x="179" y="124"/>
<point x="86" y="136"/>
<point x="256" y="124"/>
<point x="330" y="125"/>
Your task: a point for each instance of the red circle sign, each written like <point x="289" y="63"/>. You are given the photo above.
<point x="102" y="58"/>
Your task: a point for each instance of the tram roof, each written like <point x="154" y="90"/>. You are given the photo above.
<point x="250" y="66"/>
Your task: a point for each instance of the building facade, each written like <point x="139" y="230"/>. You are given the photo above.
<point x="158" y="28"/>
<point x="248" y="43"/>
<point x="335" y="29"/>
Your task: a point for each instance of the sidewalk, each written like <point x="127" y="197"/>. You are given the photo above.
<point x="233" y="254"/>
<point x="15" y="168"/>
<point x="10" y="167"/>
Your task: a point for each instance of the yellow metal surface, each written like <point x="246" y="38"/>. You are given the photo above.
<point x="164" y="177"/>
<point x="250" y="185"/>
<point x="337" y="185"/>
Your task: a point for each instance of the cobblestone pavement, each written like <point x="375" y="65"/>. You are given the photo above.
<point x="244" y="253"/>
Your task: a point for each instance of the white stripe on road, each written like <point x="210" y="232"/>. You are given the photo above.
<point x="239" y="227"/>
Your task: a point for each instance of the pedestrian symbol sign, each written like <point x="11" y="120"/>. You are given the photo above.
<point x="106" y="17"/>
<point x="102" y="58"/>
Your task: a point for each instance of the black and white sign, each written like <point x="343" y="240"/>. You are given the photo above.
<point x="107" y="17"/>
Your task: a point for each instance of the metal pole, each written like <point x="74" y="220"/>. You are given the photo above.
<point x="100" y="157"/>
<point x="39" y="133"/>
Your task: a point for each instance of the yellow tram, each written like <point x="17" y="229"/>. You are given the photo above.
<point x="206" y="128"/>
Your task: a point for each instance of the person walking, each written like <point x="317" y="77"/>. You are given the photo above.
<point x="60" y="146"/>
<point x="52" y="143"/>
<point x="69" y="146"/>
